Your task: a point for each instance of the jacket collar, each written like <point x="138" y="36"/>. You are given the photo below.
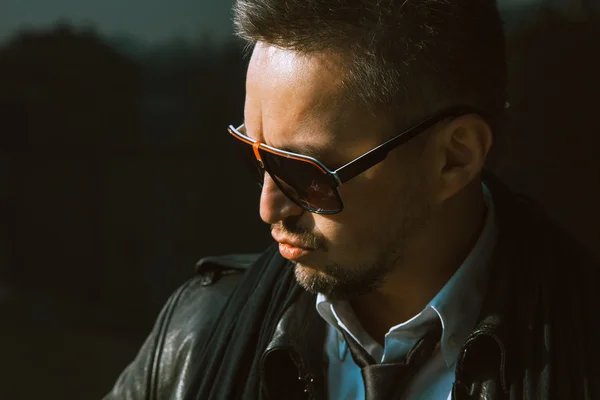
<point x="484" y="356"/>
<point x="510" y="294"/>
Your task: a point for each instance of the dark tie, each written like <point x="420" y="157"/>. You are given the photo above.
<point x="389" y="381"/>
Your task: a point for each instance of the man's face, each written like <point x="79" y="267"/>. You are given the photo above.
<point x="297" y="102"/>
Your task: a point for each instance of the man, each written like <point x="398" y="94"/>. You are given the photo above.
<point x="403" y="270"/>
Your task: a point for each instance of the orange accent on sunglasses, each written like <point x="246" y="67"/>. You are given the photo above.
<point x="255" y="147"/>
<point x="259" y="145"/>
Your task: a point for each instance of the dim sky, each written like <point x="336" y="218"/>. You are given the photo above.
<point x="148" y="20"/>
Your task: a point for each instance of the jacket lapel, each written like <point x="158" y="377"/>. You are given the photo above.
<point x="292" y="366"/>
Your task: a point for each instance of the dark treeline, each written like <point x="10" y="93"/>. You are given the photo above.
<point x="117" y="174"/>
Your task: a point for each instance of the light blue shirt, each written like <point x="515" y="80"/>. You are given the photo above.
<point x="457" y="305"/>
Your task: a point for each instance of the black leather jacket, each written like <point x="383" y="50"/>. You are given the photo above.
<point x="537" y="335"/>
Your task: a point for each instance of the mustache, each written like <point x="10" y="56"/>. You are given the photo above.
<point x="293" y="229"/>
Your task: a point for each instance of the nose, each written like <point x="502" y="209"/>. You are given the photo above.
<point x="274" y="205"/>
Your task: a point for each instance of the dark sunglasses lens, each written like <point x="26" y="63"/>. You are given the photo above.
<point x="303" y="183"/>
<point x="246" y="154"/>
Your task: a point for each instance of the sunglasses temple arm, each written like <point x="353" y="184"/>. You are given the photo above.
<point x="360" y="165"/>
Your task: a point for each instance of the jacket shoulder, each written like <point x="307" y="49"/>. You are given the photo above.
<point x="194" y="307"/>
<point x="180" y="331"/>
<point x="555" y="303"/>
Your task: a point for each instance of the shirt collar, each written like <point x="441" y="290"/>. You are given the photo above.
<point x="457" y="304"/>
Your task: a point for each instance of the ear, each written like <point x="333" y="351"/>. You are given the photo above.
<point x="463" y="147"/>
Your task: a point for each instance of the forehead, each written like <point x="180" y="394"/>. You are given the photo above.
<point x="298" y="101"/>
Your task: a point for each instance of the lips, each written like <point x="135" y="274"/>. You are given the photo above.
<point x="292" y="253"/>
<point x="291" y="249"/>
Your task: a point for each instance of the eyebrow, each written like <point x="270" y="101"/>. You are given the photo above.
<point x="304" y="149"/>
<point x="328" y="157"/>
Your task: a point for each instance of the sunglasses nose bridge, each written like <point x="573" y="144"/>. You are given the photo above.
<point x="274" y="204"/>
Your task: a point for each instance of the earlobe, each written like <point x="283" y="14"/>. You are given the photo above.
<point x="466" y="142"/>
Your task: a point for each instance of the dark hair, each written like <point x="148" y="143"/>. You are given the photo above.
<point x="410" y="57"/>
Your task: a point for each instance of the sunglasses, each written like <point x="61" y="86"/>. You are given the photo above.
<point x="308" y="182"/>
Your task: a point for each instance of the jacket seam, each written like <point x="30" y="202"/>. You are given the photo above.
<point x="161" y="335"/>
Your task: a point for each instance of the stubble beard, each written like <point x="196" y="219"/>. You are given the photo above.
<point x="337" y="281"/>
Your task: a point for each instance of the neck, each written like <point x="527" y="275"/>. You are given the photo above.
<point x="432" y="260"/>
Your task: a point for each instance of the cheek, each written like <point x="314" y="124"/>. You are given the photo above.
<point x="367" y="211"/>
<point x="370" y="206"/>
<point x="371" y="194"/>
<point x="347" y="238"/>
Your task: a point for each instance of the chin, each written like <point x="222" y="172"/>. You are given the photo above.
<point x="337" y="282"/>
<point x="310" y="277"/>
<point x="307" y="273"/>
<point x="317" y="281"/>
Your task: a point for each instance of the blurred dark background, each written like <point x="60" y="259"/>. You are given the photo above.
<point x="116" y="173"/>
